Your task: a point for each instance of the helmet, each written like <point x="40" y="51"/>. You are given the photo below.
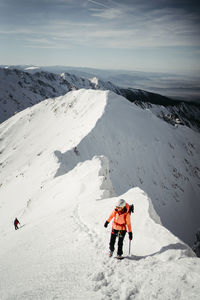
<point x="121" y="203"/>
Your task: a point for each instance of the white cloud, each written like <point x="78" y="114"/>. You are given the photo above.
<point x="97" y="3"/>
<point x="122" y="27"/>
<point x="109" y="13"/>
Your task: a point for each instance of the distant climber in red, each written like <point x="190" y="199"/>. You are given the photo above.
<point x="16" y="223"/>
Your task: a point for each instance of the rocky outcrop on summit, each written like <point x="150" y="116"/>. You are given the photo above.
<point x="196" y="246"/>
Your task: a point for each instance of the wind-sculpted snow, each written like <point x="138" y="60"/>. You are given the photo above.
<point x="64" y="163"/>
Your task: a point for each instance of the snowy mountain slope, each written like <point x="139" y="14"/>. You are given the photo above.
<point x="165" y="108"/>
<point x="20" y="90"/>
<point x="184" y="87"/>
<point x="48" y="257"/>
<point x="59" y="178"/>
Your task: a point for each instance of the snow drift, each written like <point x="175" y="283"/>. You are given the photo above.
<point x="64" y="162"/>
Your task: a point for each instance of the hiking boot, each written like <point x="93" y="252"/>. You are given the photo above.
<point x="119" y="256"/>
<point x="110" y="253"/>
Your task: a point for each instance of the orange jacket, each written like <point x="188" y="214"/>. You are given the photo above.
<point x="121" y="220"/>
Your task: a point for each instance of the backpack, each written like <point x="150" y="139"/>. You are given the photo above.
<point x="131" y="208"/>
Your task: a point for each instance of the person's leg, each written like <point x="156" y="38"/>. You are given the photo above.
<point x="120" y="242"/>
<point x="113" y="239"/>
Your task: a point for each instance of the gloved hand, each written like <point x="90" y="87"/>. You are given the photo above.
<point x="106" y="224"/>
<point x="130" y="236"/>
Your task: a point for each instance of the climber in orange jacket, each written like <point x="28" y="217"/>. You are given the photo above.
<point x="122" y="220"/>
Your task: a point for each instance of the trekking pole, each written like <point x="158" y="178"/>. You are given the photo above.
<point x="129" y="247"/>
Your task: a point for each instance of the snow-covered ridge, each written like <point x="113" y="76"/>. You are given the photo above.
<point x="20" y="90"/>
<point x="163" y="160"/>
<point x="59" y="177"/>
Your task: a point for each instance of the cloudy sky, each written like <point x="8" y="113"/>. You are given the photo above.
<point x="152" y="35"/>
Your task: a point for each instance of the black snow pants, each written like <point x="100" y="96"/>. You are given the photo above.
<point x="121" y="235"/>
<point x="16" y="226"/>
